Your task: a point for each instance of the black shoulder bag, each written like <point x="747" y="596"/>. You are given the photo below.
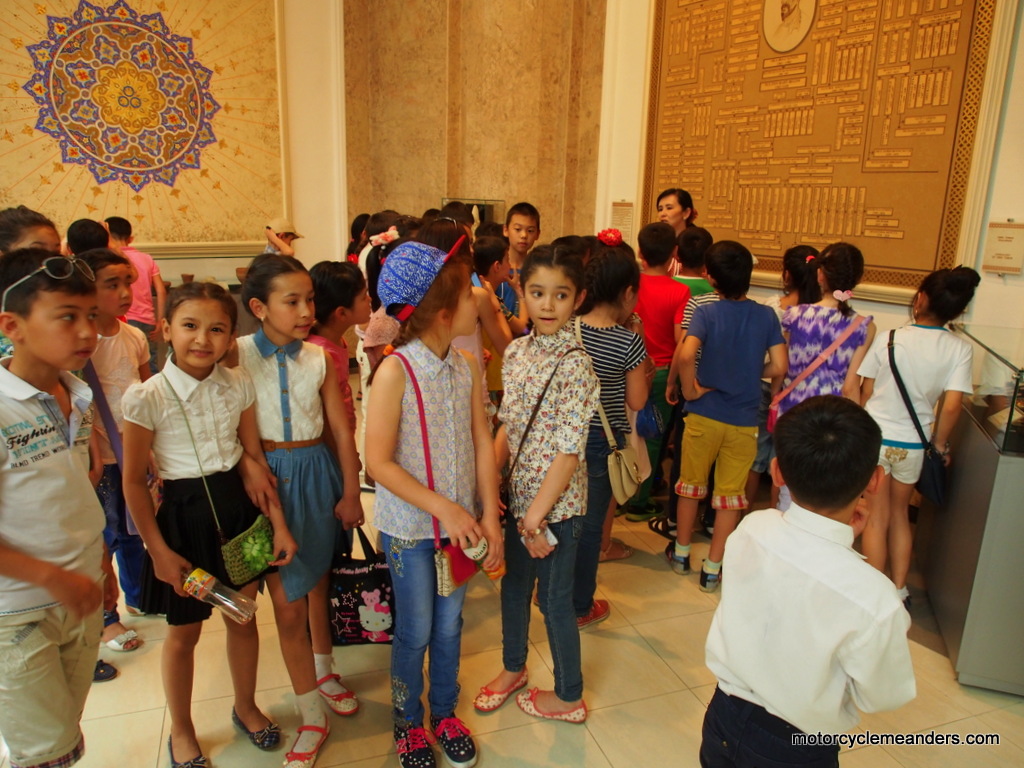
<point x="932" y="483"/>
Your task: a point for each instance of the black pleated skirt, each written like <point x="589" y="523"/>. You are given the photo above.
<point x="188" y="527"/>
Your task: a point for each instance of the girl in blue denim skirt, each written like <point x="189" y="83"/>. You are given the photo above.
<point x="427" y="385"/>
<point x="551" y="392"/>
<point x="301" y="417"/>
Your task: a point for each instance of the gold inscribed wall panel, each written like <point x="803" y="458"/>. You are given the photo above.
<point x="812" y="121"/>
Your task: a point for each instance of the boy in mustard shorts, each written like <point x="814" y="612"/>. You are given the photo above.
<point x="732" y="337"/>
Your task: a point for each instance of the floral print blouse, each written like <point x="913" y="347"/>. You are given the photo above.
<point x="561" y="425"/>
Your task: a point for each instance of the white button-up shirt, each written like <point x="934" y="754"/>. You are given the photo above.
<point x="213" y="406"/>
<point x="805" y="627"/>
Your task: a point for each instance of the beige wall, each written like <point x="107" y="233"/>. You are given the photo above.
<point x="475" y="98"/>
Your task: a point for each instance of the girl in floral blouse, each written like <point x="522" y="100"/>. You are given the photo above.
<point x="548" y="484"/>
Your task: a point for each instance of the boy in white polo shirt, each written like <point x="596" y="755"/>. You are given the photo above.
<point x="806" y="632"/>
<point x="51" y="523"/>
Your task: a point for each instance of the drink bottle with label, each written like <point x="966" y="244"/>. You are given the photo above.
<point x="204" y="586"/>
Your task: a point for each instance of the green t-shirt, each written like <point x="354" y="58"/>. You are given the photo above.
<point x="697" y="285"/>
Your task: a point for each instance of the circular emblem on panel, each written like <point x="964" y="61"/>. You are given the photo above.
<point x="787" y="22"/>
<point x="122" y="94"/>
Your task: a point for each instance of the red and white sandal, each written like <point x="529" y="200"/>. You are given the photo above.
<point x="306" y="759"/>
<point x="344" y="703"/>
<point x="527" y="701"/>
<point x="488" y="700"/>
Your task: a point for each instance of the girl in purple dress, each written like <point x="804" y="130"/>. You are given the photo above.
<point x="811" y="328"/>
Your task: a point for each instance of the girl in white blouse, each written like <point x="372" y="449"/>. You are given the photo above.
<point x="194" y="394"/>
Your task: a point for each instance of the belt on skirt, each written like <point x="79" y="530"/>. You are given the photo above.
<point x="272" y="445"/>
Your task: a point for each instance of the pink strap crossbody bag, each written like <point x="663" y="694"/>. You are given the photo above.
<point x="773" y="409"/>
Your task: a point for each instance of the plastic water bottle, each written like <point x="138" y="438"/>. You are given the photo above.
<point x="478" y="553"/>
<point x="204" y="586"/>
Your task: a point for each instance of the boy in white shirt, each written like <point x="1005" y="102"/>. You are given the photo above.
<point x="120" y="360"/>
<point x="51" y="524"/>
<point x="806" y="632"/>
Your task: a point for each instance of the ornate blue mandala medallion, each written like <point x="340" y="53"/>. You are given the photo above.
<point x="122" y="94"/>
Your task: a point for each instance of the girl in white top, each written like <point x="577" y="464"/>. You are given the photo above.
<point x="297" y="396"/>
<point x="933" y="363"/>
<point x="218" y="406"/>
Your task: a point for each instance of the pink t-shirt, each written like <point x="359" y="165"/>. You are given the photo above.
<point x="142" y="310"/>
<point x="660" y="304"/>
<point x="339" y="356"/>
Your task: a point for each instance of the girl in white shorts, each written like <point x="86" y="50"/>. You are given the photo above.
<point x="933" y="364"/>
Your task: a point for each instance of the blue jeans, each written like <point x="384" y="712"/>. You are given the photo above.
<point x="599" y="495"/>
<point x="422" y="619"/>
<point x="554" y="577"/>
<point x="147" y="329"/>
<point x="740" y="734"/>
<point x="655" y="448"/>
<point x="128" y="548"/>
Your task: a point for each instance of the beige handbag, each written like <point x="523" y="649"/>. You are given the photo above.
<point x="623" y="468"/>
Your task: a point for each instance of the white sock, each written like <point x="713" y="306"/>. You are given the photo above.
<point x="324" y="663"/>
<point x="903" y="592"/>
<point x="311" y="710"/>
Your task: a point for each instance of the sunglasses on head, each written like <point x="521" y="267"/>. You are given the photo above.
<point x="57" y="267"/>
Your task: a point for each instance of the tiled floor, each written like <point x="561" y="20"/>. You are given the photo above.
<point x="646" y="685"/>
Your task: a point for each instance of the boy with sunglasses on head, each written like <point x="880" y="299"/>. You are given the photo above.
<point x="52" y="562"/>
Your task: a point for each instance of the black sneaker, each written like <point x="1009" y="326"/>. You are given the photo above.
<point x="680" y="565"/>
<point x="456" y="743"/>
<point x="709" y="582"/>
<point x="413" y="748"/>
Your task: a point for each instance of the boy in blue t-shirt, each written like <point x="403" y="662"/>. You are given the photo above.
<point x="731" y="336"/>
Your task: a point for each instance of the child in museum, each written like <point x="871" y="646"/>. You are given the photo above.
<point x="120" y="360"/>
<point x="812" y="329"/>
<point x="660" y="305"/>
<point x="934" y="365"/>
<point x="522" y="229"/>
<point x="22" y="227"/>
<point x="144" y="312"/>
<point x="206" y="494"/>
<point x="297" y="400"/>
<point x="52" y="562"/>
<point x="342" y="300"/>
<point x="830" y="635"/>
<point x="732" y="336"/>
<point x="551" y="392"/>
<point x="433" y="460"/>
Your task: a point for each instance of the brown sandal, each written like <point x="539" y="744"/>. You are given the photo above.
<point x="617" y="550"/>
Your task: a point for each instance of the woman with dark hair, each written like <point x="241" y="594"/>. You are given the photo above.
<point x="675" y="207"/>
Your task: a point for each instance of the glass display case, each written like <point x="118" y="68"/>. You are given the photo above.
<point x="998" y="400"/>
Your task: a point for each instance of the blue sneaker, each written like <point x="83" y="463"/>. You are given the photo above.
<point x="679" y="565"/>
<point x="709" y="582"/>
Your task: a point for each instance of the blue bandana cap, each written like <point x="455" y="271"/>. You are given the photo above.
<point x="408" y="272"/>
